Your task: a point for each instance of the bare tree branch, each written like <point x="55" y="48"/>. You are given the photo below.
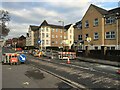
<point x="4" y="18"/>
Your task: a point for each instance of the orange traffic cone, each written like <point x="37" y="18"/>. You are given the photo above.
<point x="68" y="61"/>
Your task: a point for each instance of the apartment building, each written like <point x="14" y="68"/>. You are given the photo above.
<point x="78" y="41"/>
<point x="100" y="28"/>
<point x="56" y="36"/>
<point x="32" y="36"/>
<point x="69" y="35"/>
<point x="50" y="35"/>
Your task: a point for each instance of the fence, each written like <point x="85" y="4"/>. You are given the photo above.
<point x="113" y="55"/>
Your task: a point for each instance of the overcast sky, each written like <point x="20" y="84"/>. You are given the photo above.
<point x="32" y="12"/>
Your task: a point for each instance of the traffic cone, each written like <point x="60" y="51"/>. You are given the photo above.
<point x="68" y="61"/>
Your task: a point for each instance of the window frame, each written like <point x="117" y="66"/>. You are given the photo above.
<point x="86" y="35"/>
<point x="86" y="24"/>
<point x="96" y="22"/>
<point x="110" y="35"/>
<point x="110" y="20"/>
<point x="53" y="36"/>
<point x="96" y="37"/>
<point x="80" y="37"/>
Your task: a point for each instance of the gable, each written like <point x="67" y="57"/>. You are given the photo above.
<point x="94" y="11"/>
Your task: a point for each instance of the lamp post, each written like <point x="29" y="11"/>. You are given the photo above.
<point x="15" y="45"/>
<point x="62" y="36"/>
<point x="117" y="28"/>
<point x="63" y="32"/>
<point x="41" y="38"/>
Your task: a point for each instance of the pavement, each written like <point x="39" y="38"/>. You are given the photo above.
<point x="100" y="61"/>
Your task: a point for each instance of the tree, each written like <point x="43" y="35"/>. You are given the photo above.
<point x="4" y="18"/>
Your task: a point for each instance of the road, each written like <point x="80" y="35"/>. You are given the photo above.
<point x="28" y="76"/>
<point x="79" y="74"/>
<point x="84" y="73"/>
<point x="25" y="76"/>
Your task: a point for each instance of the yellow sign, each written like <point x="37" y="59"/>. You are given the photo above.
<point x="67" y="42"/>
<point x="88" y="39"/>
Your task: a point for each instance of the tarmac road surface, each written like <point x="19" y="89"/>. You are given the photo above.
<point x="26" y="76"/>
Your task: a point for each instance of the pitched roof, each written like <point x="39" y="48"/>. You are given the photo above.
<point x="27" y="34"/>
<point x="44" y="23"/>
<point x="22" y="37"/>
<point x="115" y="10"/>
<point x="67" y="26"/>
<point x="77" y="23"/>
<point x="34" y="28"/>
<point x="101" y="10"/>
<point x="55" y="26"/>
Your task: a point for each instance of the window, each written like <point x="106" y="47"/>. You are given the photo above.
<point x="61" y="30"/>
<point x="56" y="36"/>
<point x="96" y="48"/>
<point x="70" y="36"/>
<point x="112" y="48"/>
<point x="110" y="20"/>
<point x="86" y="35"/>
<point x="65" y="37"/>
<point x="79" y="37"/>
<point x="96" y="22"/>
<point x="47" y="29"/>
<point x="42" y="29"/>
<point x="52" y="30"/>
<point x="95" y="35"/>
<point x="56" y="42"/>
<point x="47" y="35"/>
<point x="43" y="35"/>
<point x="86" y="24"/>
<point x="52" y="36"/>
<point x="53" y="42"/>
<point x="79" y="26"/>
<point x="110" y="35"/>
<point x="42" y="41"/>
<point x="60" y="36"/>
<point x="47" y="42"/>
<point x="56" y="30"/>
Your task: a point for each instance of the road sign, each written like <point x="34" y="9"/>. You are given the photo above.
<point x="22" y="58"/>
<point x="89" y="39"/>
<point x="39" y="41"/>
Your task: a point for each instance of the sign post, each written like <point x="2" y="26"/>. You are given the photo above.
<point x="39" y="42"/>
<point x="88" y="40"/>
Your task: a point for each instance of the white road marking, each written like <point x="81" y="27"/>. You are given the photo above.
<point x="26" y="83"/>
<point x="110" y="67"/>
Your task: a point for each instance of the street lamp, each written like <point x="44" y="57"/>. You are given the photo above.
<point x="63" y="32"/>
<point x="15" y="45"/>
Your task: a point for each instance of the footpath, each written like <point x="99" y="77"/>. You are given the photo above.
<point x="100" y="61"/>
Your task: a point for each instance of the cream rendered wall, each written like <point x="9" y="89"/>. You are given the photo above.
<point x="70" y="36"/>
<point x="45" y="33"/>
<point x="32" y="38"/>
